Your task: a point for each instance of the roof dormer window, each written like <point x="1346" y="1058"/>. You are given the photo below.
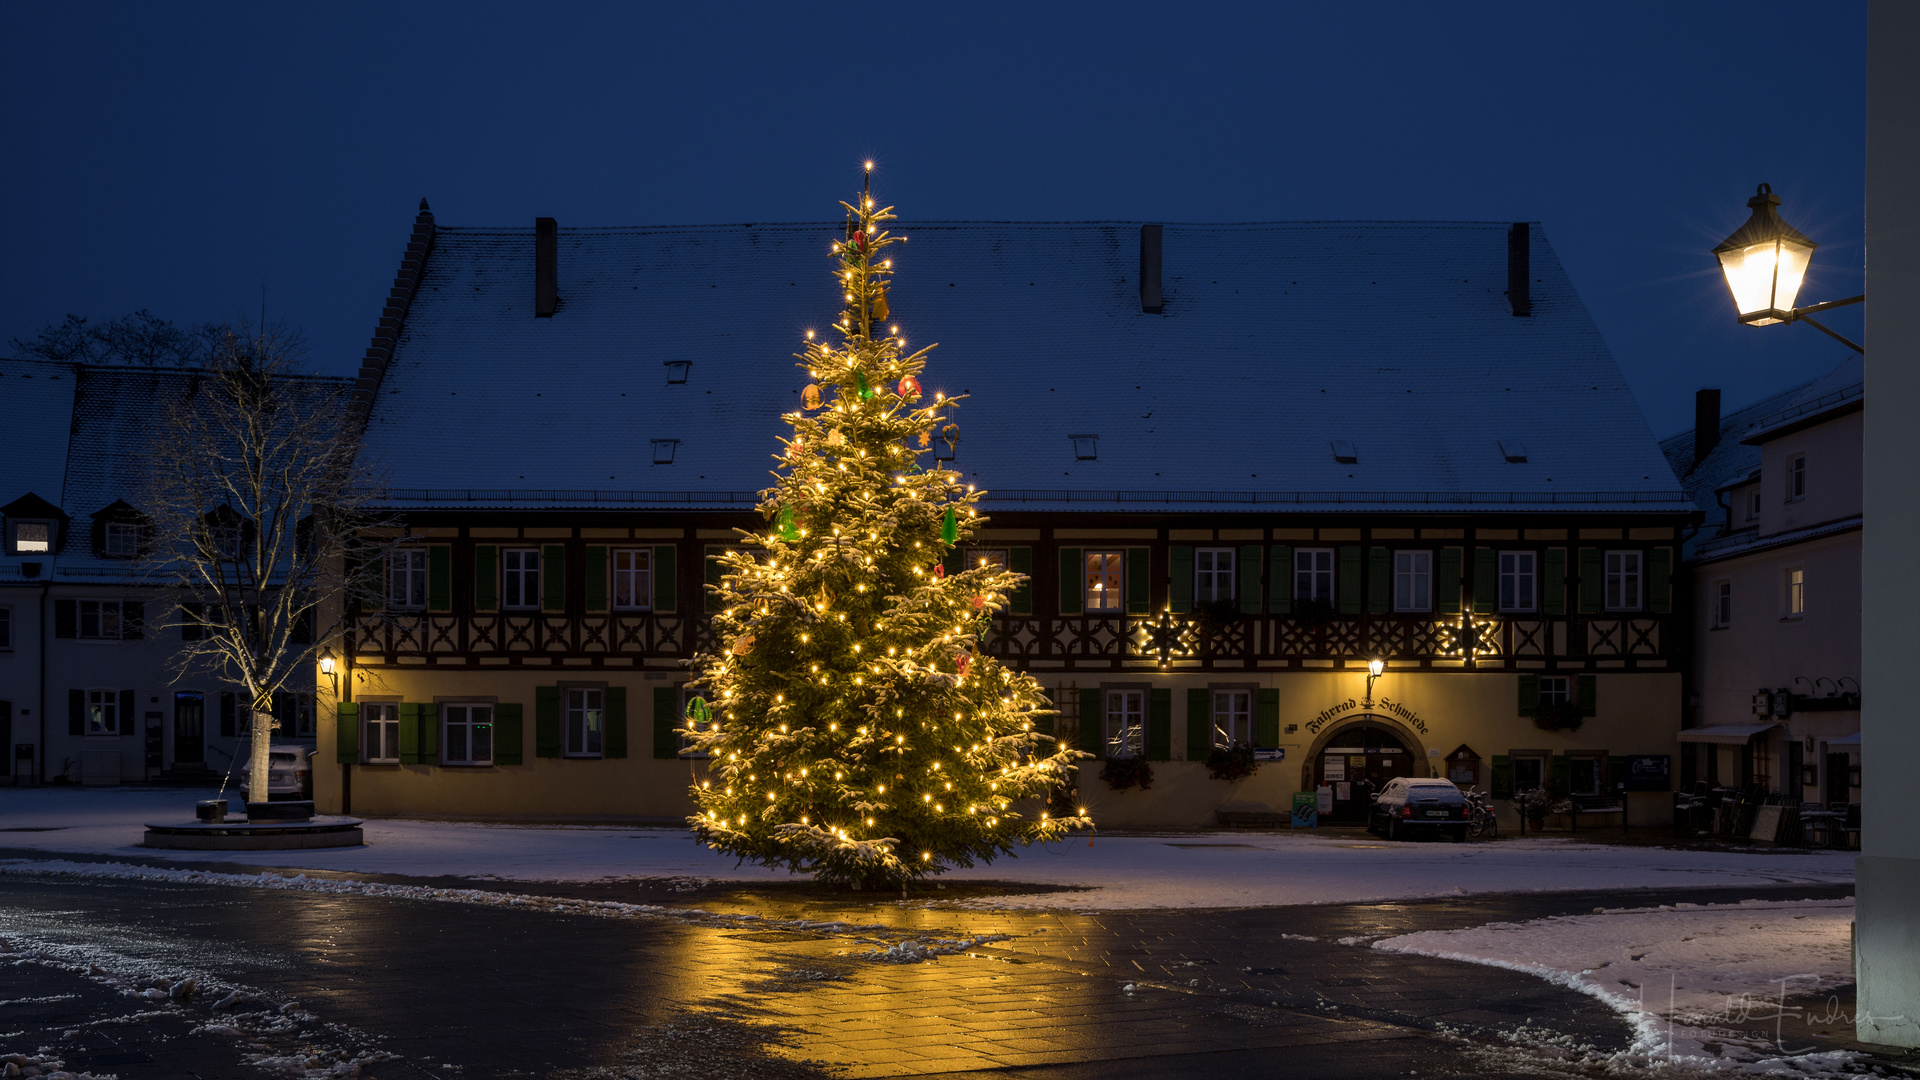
<point x="32" y="537"/>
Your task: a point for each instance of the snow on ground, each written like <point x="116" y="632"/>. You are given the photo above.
<point x="1201" y="869"/>
<point x="1685" y="975"/>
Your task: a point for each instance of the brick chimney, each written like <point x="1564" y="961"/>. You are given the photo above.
<point x="1520" y="269"/>
<point x="1706" y="423"/>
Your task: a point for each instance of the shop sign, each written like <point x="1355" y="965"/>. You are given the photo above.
<point x="1278" y="753"/>
<point x="1336" y="767"/>
<point x="1385" y="705"/>
<point x="1649" y="772"/>
<point x="1306" y="810"/>
<point x="1323" y="798"/>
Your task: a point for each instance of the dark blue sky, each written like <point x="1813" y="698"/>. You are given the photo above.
<point x="173" y="157"/>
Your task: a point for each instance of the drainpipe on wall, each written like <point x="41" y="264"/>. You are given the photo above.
<point x="345" y="694"/>
<point x="40" y="749"/>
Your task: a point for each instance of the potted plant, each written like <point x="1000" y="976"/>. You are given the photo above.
<point x="1123" y="773"/>
<point x="1532" y="805"/>
<point x="1314" y="614"/>
<point x="1232" y="762"/>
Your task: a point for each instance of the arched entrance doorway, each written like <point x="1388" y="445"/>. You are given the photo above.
<point x="1358" y="758"/>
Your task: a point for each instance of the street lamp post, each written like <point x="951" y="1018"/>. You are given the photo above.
<point x="1765" y="262"/>
<point x="1374" y="668"/>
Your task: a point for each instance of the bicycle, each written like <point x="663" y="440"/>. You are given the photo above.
<point x="1480" y="819"/>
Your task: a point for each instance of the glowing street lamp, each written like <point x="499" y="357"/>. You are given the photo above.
<point x="1374" y="669"/>
<point x="1765" y="261"/>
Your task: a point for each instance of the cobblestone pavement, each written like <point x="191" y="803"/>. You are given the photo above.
<point x="410" y="987"/>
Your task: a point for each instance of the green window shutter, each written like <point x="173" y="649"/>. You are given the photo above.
<point x="1553" y="582"/>
<point x="1660" y="580"/>
<point x="1280" y="579"/>
<point x="508" y="734"/>
<point x="1347" y="588"/>
<point x="1559" y="776"/>
<point x="1266" y="722"/>
<point x="77" y="713"/>
<point x="665" y="585"/>
<point x="1140" y="581"/>
<point x="1020" y="600"/>
<point x="429" y="733"/>
<point x="666" y="717"/>
<point x="439" y="577"/>
<point x="1199" y="724"/>
<point x="715" y="572"/>
<point x="346" y="732"/>
<point x="1592" y="581"/>
<point x="1586" y="694"/>
<point x="1160" y="724"/>
<point x="1093" y="723"/>
<point x="1529" y="693"/>
<point x="553" y="578"/>
<point x="546" y="721"/>
<point x="596" y="571"/>
<point x="1616" y="773"/>
<point x="486" y="578"/>
<point x="1073" y="582"/>
<point x="1379" y="579"/>
<point x="616" y="743"/>
<point x="1248" y="578"/>
<point x="1180" y="585"/>
<point x="1486" y="580"/>
<point x="409" y="733"/>
<point x="1045" y="725"/>
<point x="954" y="561"/>
<point x="1501" y="782"/>
<point x="1446" y="585"/>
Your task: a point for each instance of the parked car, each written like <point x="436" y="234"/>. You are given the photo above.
<point x="289" y="771"/>
<point x="1409" y="805"/>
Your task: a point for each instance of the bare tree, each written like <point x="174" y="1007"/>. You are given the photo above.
<point x="259" y="517"/>
<point x="141" y="338"/>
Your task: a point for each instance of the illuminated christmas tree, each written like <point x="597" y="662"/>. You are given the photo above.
<point x="855" y="728"/>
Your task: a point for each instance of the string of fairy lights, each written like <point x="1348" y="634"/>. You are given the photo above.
<point x="854" y="727"/>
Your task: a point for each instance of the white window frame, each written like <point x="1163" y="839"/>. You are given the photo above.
<point x="1519" y="581"/>
<point x="1313" y="574"/>
<point x="120" y="540"/>
<point x="520" y="584"/>
<point x="1214" y="569"/>
<point x="460" y="722"/>
<point x="1105" y="582"/>
<point x="103" y="704"/>
<point x="583" y="721"/>
<point x="380" y="731"/>
<point x="407" y="579"/>
<point x="1556" y="689"/>
<point x="1796" y="478"/>
<point x="1538" y="762"/>
<point x="1722" y="604"/>
<point x="1625" y="580"/>
<point x="1232" y="716"/>
<point x="1597" y="762"/>
<point x="633" y="579"/>
<point x="1125" y="723"/>
<point x="104" y="613"/>
<point x="1793" y="581"/>
<point x="1413" y="581"/>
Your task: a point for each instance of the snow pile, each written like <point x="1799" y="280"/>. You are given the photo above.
<point x="1120" y="873"/>
<point x="1703" y="985"/>
<point x="915" y="950"/>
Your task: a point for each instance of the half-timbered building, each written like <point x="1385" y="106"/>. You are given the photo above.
<point x="1238" y="462"/>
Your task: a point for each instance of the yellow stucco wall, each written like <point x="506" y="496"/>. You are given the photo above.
<point x="1637" y="713"/>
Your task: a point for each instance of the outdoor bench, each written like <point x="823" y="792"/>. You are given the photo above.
<point x="1580" y="805"/>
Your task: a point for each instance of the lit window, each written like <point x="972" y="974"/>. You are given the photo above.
<point x="32" y="537"/>
<point x="1796" y="593"/>
<point x="1213" y="574"/>
<point x="1413" y="581"/>
<point x="103" y="712"/>
<point x="1516" y="580"/>
<point x="121" y="540"/>
<point x="468" y="738"/>
<point x="1232" y="718"/>
<point x="381" y="727"/>
<point x="633" y="578"/>
<point x="520" y="577"/>
<point x="1104" y="592"/>
<point x="1796" y="478"/>
<point x="407" y="579"/>
<point x="1623" y="581"/>
<point x="1313" y="575"/>
<point x="586" y="722"/>
<point x="1126" y="723"/>
<point x="1722" y="604"/>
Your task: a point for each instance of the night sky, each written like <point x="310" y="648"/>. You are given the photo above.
<point x="178" y="157"/>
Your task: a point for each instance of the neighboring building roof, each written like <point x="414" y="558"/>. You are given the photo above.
<point x="1736" y="456"/>
<point x="1276" y="341"/>
<point x="1747" y="541"/>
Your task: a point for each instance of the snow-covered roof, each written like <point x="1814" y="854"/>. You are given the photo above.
<point x="1736" y="457"/>
<point x="1276" y="341"/>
